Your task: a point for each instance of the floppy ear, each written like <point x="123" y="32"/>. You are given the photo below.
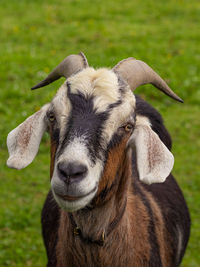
<point x="23" y="142"/>
<point x="154" y="160"/>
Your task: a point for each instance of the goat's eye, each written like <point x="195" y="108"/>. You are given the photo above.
<point x="51" y="117"/>
<point x="128" y="127"/>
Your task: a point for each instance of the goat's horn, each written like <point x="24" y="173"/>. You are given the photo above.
<point x="137" y="72"/>
<point x="66" y="68"/>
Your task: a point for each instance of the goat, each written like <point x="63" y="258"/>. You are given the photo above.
<point x="113" y="200"/>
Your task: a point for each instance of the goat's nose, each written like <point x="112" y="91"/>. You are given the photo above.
<point x="71" y="171"/>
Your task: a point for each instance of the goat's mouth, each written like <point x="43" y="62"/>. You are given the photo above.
<point x="71" y="198"/>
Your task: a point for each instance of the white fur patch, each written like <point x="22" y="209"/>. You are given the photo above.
<point x="119" y="116"/>
<point x="102" y="84"/>
<point x="76" y="205"/>
<point x="62" y="107"/>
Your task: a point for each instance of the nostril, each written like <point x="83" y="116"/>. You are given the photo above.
<point x="62" y="172"/>
<point x="71" y="170"/>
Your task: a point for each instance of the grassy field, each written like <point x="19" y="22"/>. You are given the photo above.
<point x="35" y="36"/>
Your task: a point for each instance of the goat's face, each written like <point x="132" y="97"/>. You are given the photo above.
<point x="92" y="124"/>
<point x="86" y="121"/>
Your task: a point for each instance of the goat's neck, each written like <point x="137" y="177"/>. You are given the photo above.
<point x="92" y="222"/>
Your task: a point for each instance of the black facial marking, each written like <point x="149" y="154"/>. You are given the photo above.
<point x="85" y="121"/>
<point x="115" y="140"/>
<point x="116" y="104"/>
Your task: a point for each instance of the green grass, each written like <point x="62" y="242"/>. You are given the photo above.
<point x="35" y="36"/>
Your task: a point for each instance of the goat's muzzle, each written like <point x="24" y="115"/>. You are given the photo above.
<point x="71" y="172"/>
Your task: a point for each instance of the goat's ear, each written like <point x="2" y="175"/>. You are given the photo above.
<point x="154" y="160"/>
<point x="23" y="142"/>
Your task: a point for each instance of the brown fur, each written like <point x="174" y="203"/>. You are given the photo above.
<point x="112" y="169"/>
<point x="128" y="241"/>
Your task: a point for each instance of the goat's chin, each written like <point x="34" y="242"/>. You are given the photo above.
<point x="75" y="205"/>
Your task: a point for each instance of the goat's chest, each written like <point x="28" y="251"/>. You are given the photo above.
<point x="118" y="252"/>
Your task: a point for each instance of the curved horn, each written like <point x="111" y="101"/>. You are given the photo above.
<point x="66" y="68"/>
<point x="137" y="72"/>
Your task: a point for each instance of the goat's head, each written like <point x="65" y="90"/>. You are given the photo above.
<point x="92" y="125"/>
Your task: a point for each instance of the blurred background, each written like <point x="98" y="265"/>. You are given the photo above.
<point x="35" y="36"/>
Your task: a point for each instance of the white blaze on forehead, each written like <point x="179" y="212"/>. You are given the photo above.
<point x="102" y="84"/>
